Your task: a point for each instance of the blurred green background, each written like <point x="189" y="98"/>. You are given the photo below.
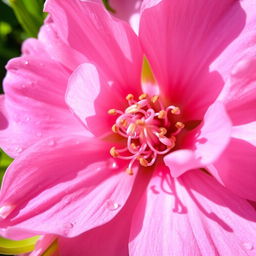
<point x="19" y="19"/>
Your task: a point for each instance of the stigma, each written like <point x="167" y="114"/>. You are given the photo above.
<point x="149" y="128"/>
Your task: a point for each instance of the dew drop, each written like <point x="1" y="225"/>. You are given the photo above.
<point x="18" y="149"/>
<point x="110" y="83"/>
<point x="112" y="164"/>
<point x="111" y="205"/>
<point x="248" y="246"/>
<point x="26" y="62"/>
<point x="67" y="227"/>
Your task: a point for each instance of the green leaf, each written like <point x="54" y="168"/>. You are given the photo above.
<point x="10" y="247"/>
<point x="5" y="161"/>
<point x="108" y="7"/>
<point x="29" y="14"/>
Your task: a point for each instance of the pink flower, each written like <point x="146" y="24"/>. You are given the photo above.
<point x="82" y="78"/>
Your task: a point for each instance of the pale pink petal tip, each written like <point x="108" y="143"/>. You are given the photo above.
<point x="6" y="210"/>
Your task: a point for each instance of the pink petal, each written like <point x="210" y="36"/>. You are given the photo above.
<point x="42" y="245"/>
<point x="58" y="49"/>
<point x="114" y="235"/>
<point x="236" y="166"/>
<point x="193" y="33"/>
<point x="33" y="106"/>
<point x="63" y="186"/>
<point x="128" y="10"/>
<point x="193" y="215"/>
<point x="105" y="41"/>
<point x="242" y="15"/>
<point x="239" y="93"/>
<point x="208" y="142"/>
<point x="90" y="95"/>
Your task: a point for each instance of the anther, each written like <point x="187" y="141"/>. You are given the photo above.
<point x="161" y="114"/>
<point x="123" y="122"/>
<point x="115" y="128"/>
<point x="112" y="112"/>
<point x="143" y="162"/>
<point x="154" y="99"/>
<point x="113" y="152"/>
<point x="143" y="96"/>
<point x="162" y="132"/>
<point x="131" y="129"/>
<point x="133" y="146"/>
<point x="179" y="125"/>
<point x="129" y="171"/>
<point x="129" y="97"/>
<point x="140" y="122"/>
<point x="175" y="111"/>
<point x="133" y="109"/>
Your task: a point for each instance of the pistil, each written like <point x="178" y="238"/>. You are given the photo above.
<point x="148" y="128"/>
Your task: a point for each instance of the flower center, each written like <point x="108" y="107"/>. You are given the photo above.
<point x="149" y="128"/>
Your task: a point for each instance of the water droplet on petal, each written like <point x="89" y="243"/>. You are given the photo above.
<point x="6" y="210"/>
<point x="26" y="62"/>
<point x="112" y="164"/>
<point x="18" y="149"/>
<point x="248" y="246"/>
<point x="110" y="83"/>
<point x="67" y="227"/>
<point x="111" y="205"/>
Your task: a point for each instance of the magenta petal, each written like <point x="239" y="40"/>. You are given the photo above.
<point x="242" y="15"/>
<point x="209" y="141"/>
<point x="114" y="235"/>
<point x="58" y="49"/>
<point x="236" y="166"/>
<point x="63" y="195"/>
<point x="193" y="215"/>
<point x="90" y="95"/>
<point x="193" y="33"/>
<point x="128" y="10"/>
<point x="33" y="106"/>
<point x="105" y="41"/>
<point x="239" y="93"/>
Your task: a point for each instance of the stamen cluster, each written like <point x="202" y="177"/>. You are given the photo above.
<point x="149" y="127"/>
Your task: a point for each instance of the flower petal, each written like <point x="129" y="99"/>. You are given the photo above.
<point x="236" y="166"/>
<point x="90" y="95"/>
<point x="208" y="142"/>
<point x="193" y="33"/>
<point x="33" y="106"/>
<point x="57" y="48"/>
<point x="105" y="41"/>
<point x="128" y="10"/>
<point x="239" y="93"/>
<point x="114" y="235"/>
<point x="65" y="185"/>
<point x="242" y="15"/>
<point x="193" y="215"/>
